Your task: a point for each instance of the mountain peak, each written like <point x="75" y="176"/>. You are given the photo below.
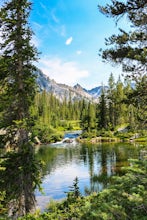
<point x="78" y="87"/>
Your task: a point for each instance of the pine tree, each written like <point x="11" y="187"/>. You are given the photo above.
<point x="138" y="100"/>
<point x="111" y="100"/>
<point x="119" y="106"/>
<point x="83" y="116"/>
<point x="20" y="174"/>
<point x="102" y="111"/>
<point x="131" y="110"/>
<point x="129" y="48"/>
<point x="91" y="117"/>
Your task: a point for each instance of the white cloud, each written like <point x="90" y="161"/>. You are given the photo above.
<point x="78" y="52"/>
<point x="61" y="71"/>
<point x="69" y="40"/>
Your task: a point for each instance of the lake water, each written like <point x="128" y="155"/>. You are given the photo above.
<point x="93" y="164"/>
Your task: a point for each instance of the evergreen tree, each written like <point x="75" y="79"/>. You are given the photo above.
<point x="119" y="106"/>
<point x="20" y="174"/>
<point x="138" y="100"/>
<point x="91" y="117"/>
<point x="129" y="48"/>
<point x="83" y="116"/>
<point x="111" y="100"/>
<point x="74" y="192"/>
<point x="102" y="115"/>
<point x="131" y="110"/>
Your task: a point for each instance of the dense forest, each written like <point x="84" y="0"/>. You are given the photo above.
<point x="113" y="110"/>
<point x="25" y="114"/>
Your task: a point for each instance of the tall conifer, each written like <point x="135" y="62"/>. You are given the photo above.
<point x="129" y="49"/>
<point x="20" y="174"/>
<point x="103" y="111"/>
<point x="111" y="100"/>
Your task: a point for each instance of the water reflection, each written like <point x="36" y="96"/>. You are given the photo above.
<point x="94" y="165"/>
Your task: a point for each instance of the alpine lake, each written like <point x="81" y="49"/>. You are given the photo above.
<point x="93" y="165"/>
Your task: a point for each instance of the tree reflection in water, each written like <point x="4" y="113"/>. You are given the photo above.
<point x="94" y="165"/>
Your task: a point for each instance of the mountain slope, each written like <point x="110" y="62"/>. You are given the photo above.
<point x="62" y="91"/>
<point x="96" y="92"/>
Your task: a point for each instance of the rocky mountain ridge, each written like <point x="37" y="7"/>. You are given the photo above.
<point x="61" y="91"/>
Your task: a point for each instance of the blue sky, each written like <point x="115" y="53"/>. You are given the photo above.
<point x="69" y="35"/>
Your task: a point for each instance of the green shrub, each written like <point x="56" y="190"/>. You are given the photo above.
<point x="104" y="133"/>
<point x="124" y="135"/>
<point x="88" y="135"/>
<point x="47" y="134"/>
<point x="55" y="137"/>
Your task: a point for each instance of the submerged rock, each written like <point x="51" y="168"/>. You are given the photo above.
<point x="67" y="140"/>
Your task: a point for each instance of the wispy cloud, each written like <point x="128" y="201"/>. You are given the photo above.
<point x="43" y="6"/>
<point x="63" y="30"/>
<point x="50" y="13"/>
<point x="53" y="16"/>
<point x="61" y="71"/>
<point x="69" y="41"/>
<point x="59" y="29"/>
<point x="36" y="26"/>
